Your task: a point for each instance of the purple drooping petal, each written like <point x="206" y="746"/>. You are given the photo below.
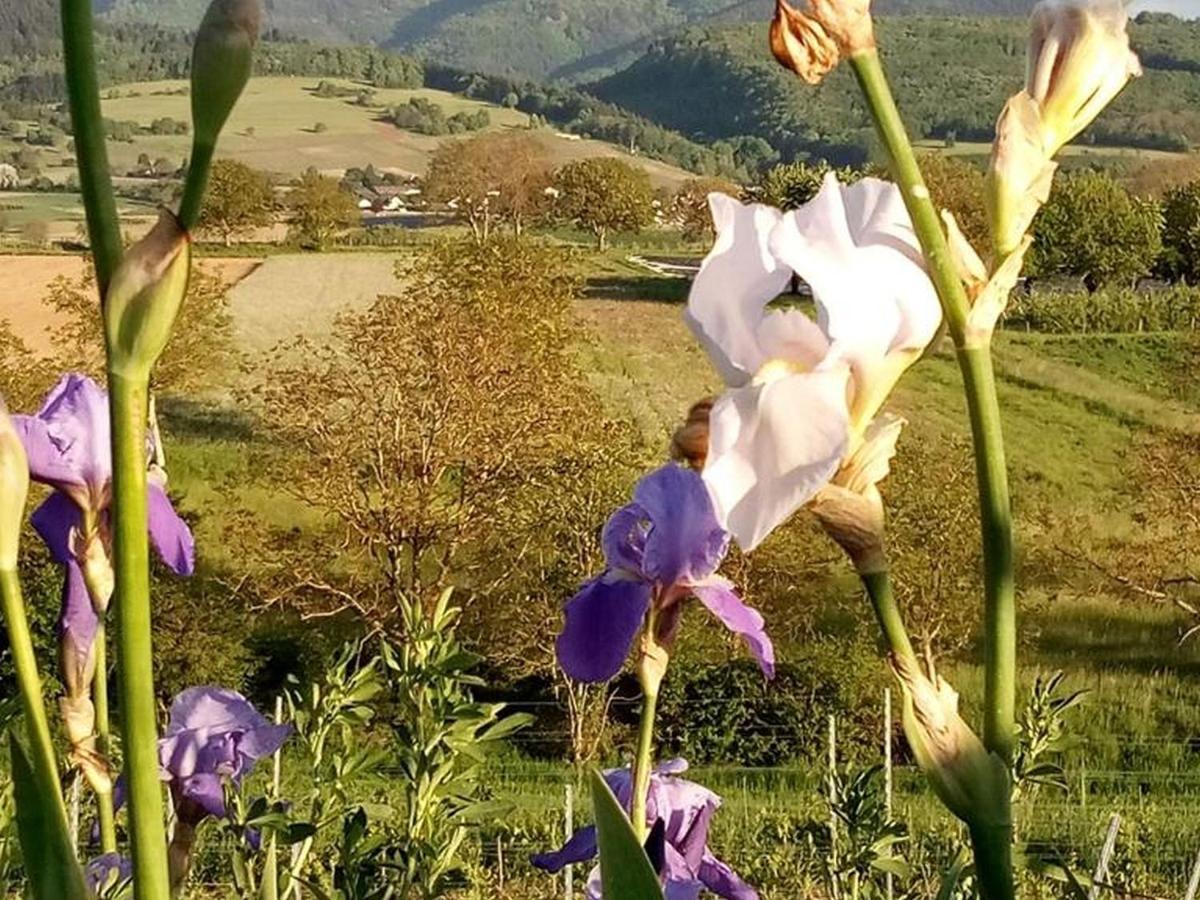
<point x="624" y="538"/>
<point x="717" y="594"/>
<point x="53" y="521"/>
<point x="601" y="622"/>
<point x="207" y="791"/>
<point x="685" y="542"/>
<point x="723" y="881"/>
<point x="68" y="441"/>
<point x="680" y="878"/>
<point x="106" y="872"/>
<point x="169" y="533"/>
<point x="580" y="848"/>
<point x="77" y="626"/>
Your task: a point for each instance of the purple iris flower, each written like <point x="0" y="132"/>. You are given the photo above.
<point x="68" y="443"/>
<point x="660" y="549"/>
<point x="213" y="735"/>
<point x="686" y="810"/>
<point x="104" y="873"/>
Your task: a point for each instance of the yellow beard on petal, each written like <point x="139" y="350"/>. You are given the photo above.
<point x="776" y="369"/>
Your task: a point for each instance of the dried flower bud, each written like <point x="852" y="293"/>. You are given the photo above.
<point x="1020" y="173"/>
<point x="89" y="546"/>
<point x="973" y="783"/>
<point x="221" y="62"/>
<point x="14" y="488"/>
<point x="850" y="508"/>
<point x="801" y="44"/>
<point x="145" y="296"/>
<point x="1079" y="60"/>
<point x="689" y="444"/>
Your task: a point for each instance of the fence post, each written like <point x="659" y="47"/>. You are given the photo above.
<point x="1194" y="883"/>
<point x="1106" y="852"/>
<point x="569" y="829"/>
<point x="887" y="771"/>
<point x="833" y="819"/>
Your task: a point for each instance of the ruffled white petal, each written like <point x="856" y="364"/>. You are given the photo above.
<point x="772" y="446"/>
<point x="735" y="283"/>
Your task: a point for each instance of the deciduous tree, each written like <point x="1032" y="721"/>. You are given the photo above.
<point x="239" y="199"/>
<point x="320" y="209"/>
<point x="605" y="195"/>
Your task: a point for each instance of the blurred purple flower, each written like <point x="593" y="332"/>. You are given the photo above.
<point x="213" y="735"/>
<point x="660" y="549"/>
<point x="686" y="810"/>
<point x="104" y="873"/>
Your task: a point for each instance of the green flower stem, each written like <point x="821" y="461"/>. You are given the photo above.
<point x="993" y="861"/>
<point x="983" y="407"/>
<point x="43" y="756"/>
<point x="104" y="799"/>
<point x="196" y="184"/>
<point x="883" y="601"/>
<point x="83" y="97"/>
<point x="644" y="761"/>
<point x="993" y="851"/>
<point x="131" y="564"/>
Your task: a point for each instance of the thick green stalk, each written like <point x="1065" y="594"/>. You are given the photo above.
<point x="993" y="852"/>
<point x="29" y="682"/>
<point x="644" y="760"/>
<point x="131" y="564"/>
<point x="199" y="167"/>
<point x="104" y="799"/>
<point x="979" y="383"/>
<point x="887" y="612"/>
<point x="87" y="125"/>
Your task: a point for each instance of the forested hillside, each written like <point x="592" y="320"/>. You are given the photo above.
<point x="951" y="74"/>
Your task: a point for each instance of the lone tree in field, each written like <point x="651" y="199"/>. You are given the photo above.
<point x="239" y="199"/>
<point x="605" y="195"/>
<point x="320" y="209"/>
<point x="1094" y="229"/>
<point x="492" y="178"/>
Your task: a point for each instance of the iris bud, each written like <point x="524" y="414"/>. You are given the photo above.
<point x="221" y="63"/>
<point x="811" y="42"/>
<point x="145" y="296"/>
<point x="14" y="488"/>
<point x="973" y="783"/>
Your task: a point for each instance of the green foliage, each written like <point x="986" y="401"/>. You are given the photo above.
<point x="625" y="870"/>
<point x="1181" y="234"/>
<point x="1043" y="737"/>
<point x="869" y="839"/>
<point x="790" y="185"/>
<point x="605" y="195"/>
<point x="440" y="736"/>
<point x="1108" y="310"/>
<point x="238" y="199"/>
<point x="426" y="117"/>
<point x="319" y="209"/>
<point x="46" y="847"/>
<point x="1094" y="229"/>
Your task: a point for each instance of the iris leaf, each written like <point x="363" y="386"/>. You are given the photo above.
<point x="625" y="870"/>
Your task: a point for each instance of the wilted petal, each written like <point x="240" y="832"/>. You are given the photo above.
<point x="723" y="881"/>
<point x="771" y="448"/>
<point x="685" y="541"/>
<point x="53" y="521"/>
<point x="68" y="441"/>
<point x="77" y="626"/>
<point x="169" y="533"/>
<point x="601" y="622"/>
<point x="735" y="283"/>
<point x="718" y="595"/>
<point x="580" y="848"/>
<point x="624" y="538"/>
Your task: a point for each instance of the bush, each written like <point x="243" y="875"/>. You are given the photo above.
<point x="717" y="713"/>
<point x="1107" y="310"/>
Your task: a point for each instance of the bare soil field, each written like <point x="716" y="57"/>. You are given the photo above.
<point x="25" y="282"/>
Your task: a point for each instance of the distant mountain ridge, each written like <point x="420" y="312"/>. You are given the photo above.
<point x="572" y="39"/>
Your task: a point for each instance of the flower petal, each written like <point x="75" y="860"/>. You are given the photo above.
<point x="68" y="440"/>
<point x="685" y="542"/>
<point x="77" y="626"/>
<point x="601" y="622"/>
<point x="734" y="285"/>
<point x="723" y="881"/>
<point x="207" y="791"/>
<point x="53" y="521"/>
<point x="580" y="848"/>
<point x="624" y="538"/>
<point x="717" y="594"/>
<point x="771" y="448"/>
<point x="169" y="533"/>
